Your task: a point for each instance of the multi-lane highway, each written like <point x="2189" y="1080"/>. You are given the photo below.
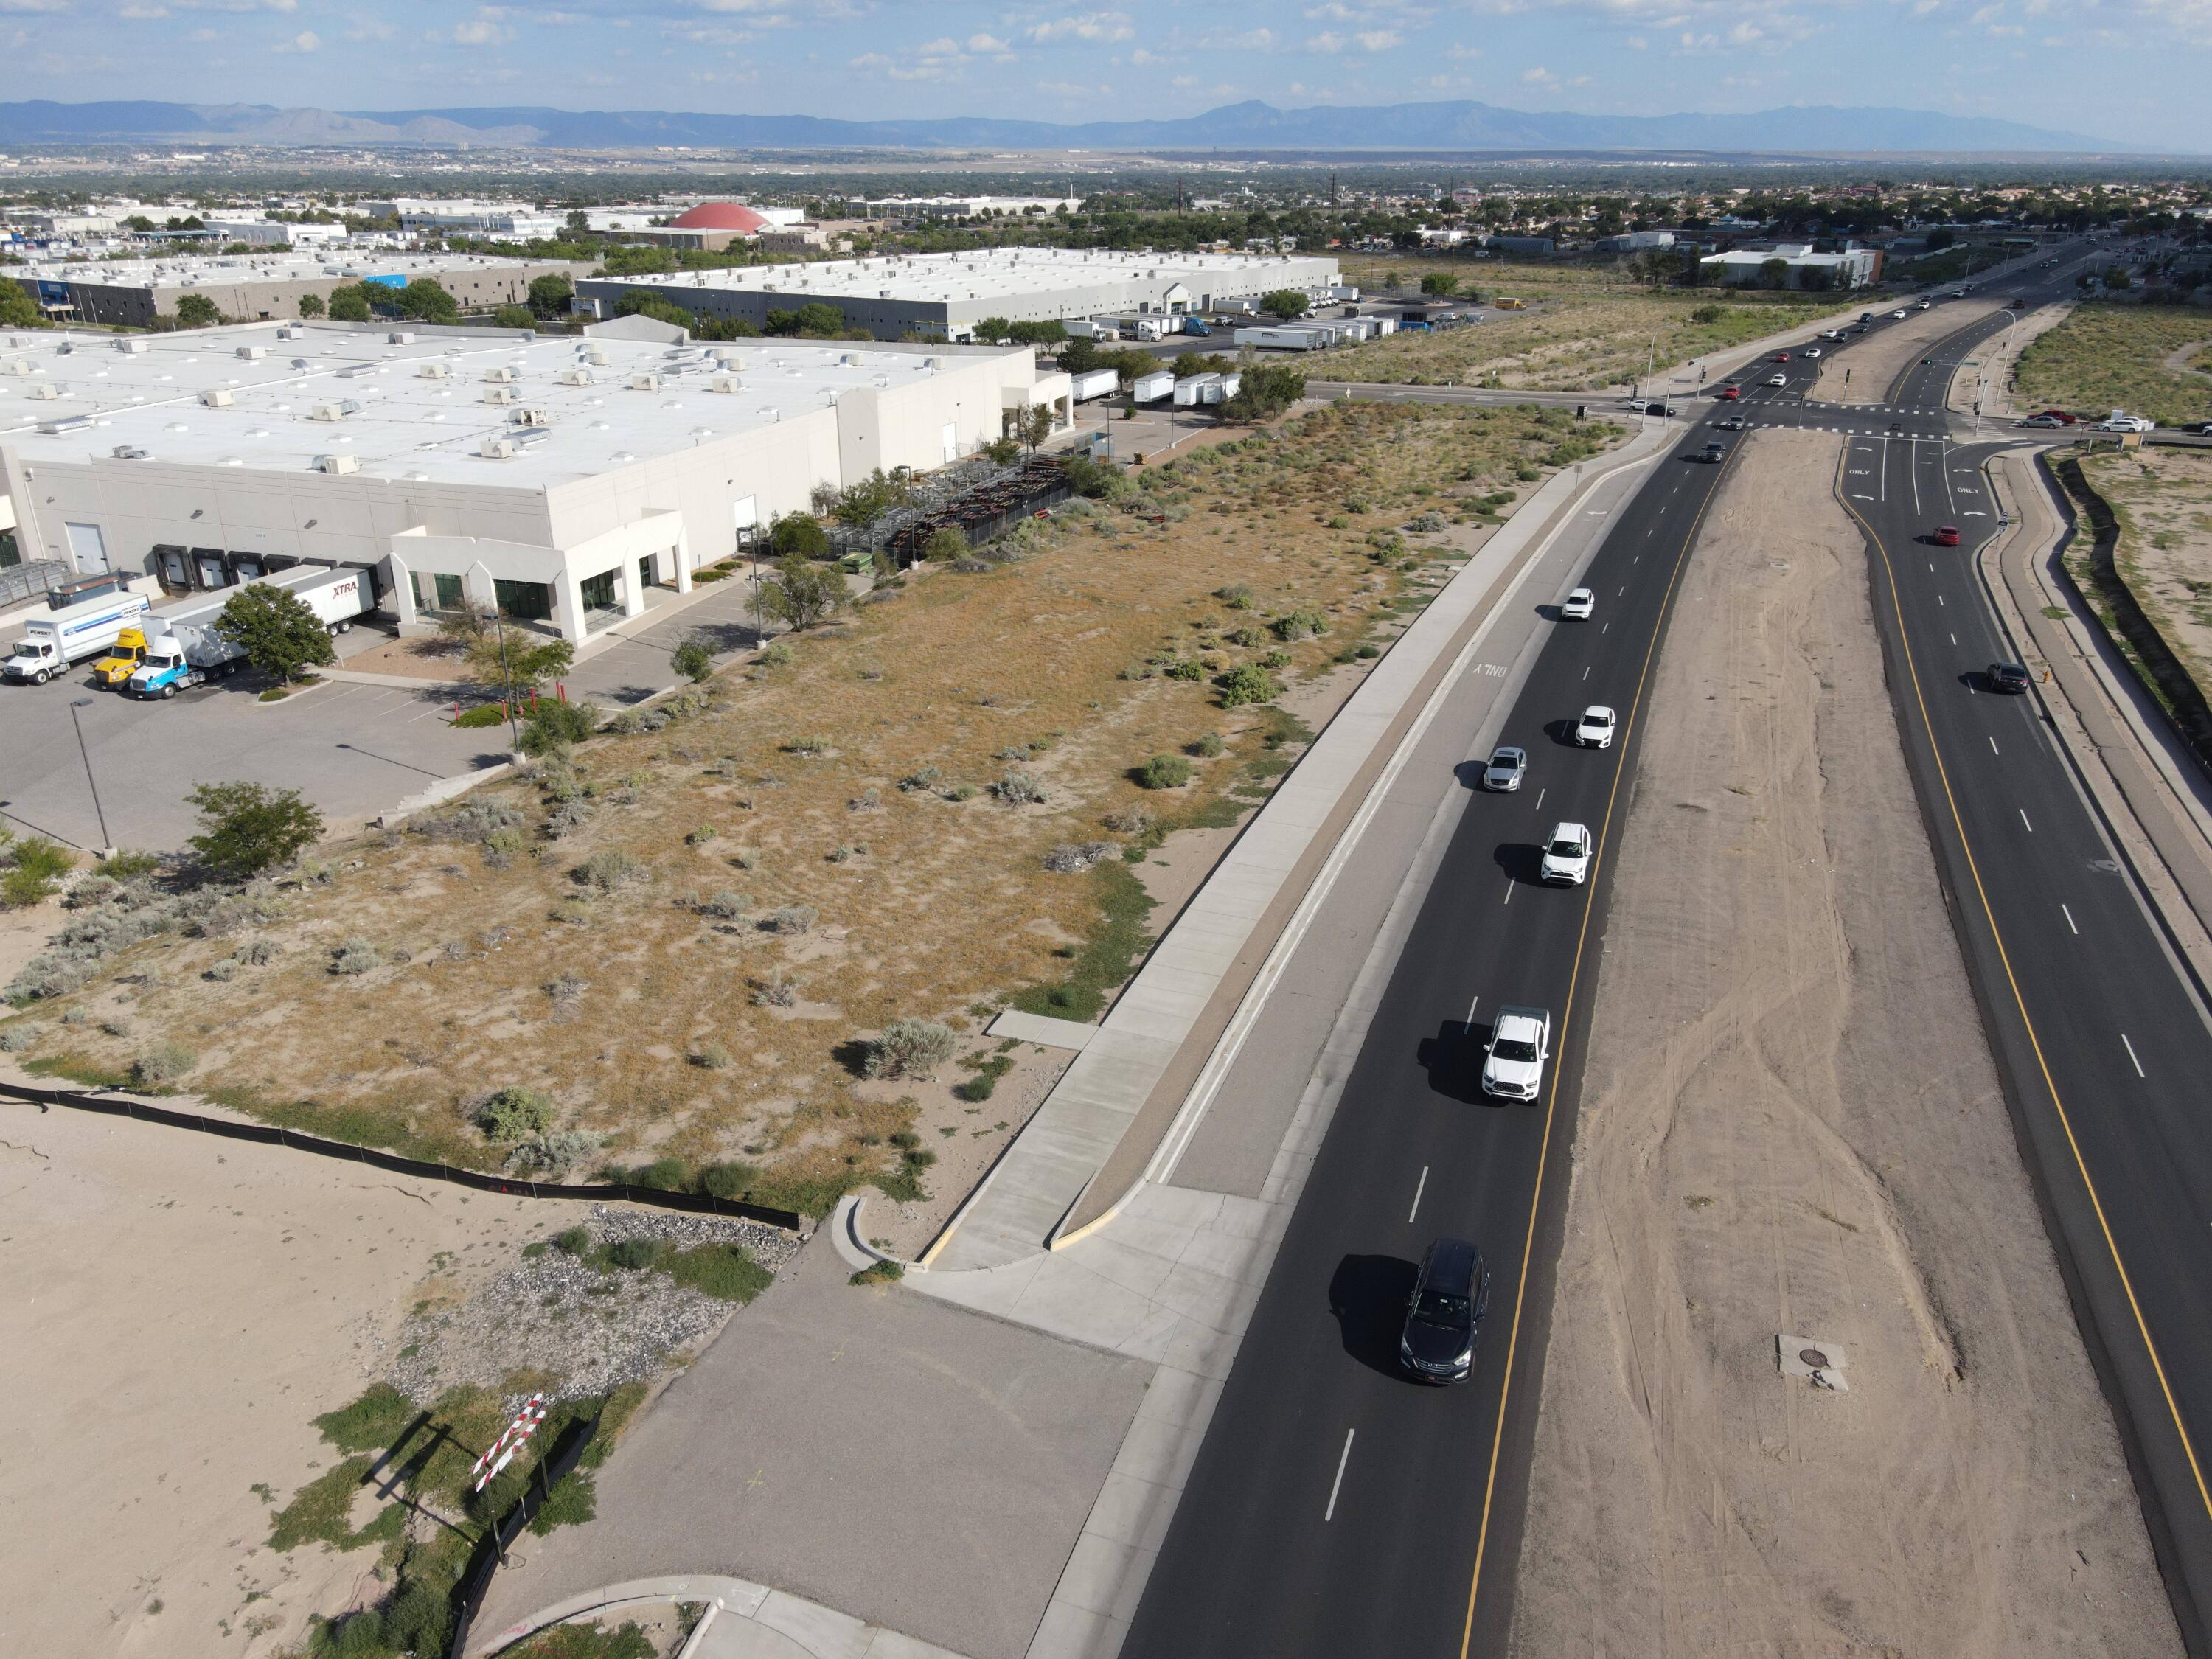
<point x="1335" y="1506"/>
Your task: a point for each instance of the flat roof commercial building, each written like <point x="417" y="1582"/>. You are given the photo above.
<point x="264" y="287"/>
<point x="1856" y="267"/>
<point x="944" y="295"/>
<point x="559" y="477"/>
<point x="436" y="216"/>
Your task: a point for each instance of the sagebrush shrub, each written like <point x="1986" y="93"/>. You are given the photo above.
<point x="910" y="1047"/>
<point x="356" y="956"/>
<point x="164" y="1063"/>
<point x="517" y="1113"/>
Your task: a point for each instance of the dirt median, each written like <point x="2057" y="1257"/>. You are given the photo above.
<point x="1791" y="1124"/>
<point x="1882" y="356"/>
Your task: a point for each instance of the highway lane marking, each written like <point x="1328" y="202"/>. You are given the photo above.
<point x="1419" y="1187"/>
<point x="2035" y="1043"/>
<point x="1540" y="801"/>
<point x="2069" y="914"/>
<point x="1509" y="890"/>
<point x="1954" y="640"/>
<point x="2132" y="1061"/>
<point x="1551" y="1096"/>
<point x="1329" y="1513"/>
<point x="1938" y="598"/>
<point x="1994" y="750"/>
<point x="1472" y="1006"/>
<point x="2023" y="818"/>
<point x="1585" y="673"/>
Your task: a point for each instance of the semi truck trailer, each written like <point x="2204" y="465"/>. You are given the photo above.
<point x="87" y="629"/>
<point x="189" y="650"/>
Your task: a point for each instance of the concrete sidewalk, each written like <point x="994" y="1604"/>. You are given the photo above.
<point x="1097" y="1131"/>
<point x="2148" y="787"/>
<point x="742" y="1621"/>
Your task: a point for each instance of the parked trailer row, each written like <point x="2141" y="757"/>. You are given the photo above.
<point x="1198" y="389"/>
<point x="184" y="647"/>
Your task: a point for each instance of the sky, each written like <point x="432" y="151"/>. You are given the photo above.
<point x="2129" y="71"/>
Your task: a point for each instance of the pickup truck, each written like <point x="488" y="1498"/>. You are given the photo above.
<point x="1520" y="1043"/>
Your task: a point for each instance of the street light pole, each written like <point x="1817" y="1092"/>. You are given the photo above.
<point x="98" y="812"/>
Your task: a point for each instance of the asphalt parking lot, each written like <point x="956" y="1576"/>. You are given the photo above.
<point x="354" y="750"/>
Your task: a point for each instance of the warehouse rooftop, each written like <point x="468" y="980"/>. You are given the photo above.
<point x="193" y="270"/>
<point x="945" y="278"/>
<point x="418" y="404"/>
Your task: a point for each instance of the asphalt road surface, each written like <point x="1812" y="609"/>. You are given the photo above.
<point x="1338" y="1507"/>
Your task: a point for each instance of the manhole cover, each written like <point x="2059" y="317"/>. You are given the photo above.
<point x="1813" y="1358"/>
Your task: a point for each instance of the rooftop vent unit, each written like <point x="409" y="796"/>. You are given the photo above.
<point x="848" y="360"/>
<point x="725" y="383"/>
<point x="216" y="397"/>
<point x="250" y="353"/>
<point x="67" y="424"/>
<point x="507" y="445"/>
<point x="645" y="379"/>
<point x="16" y="366"/>
<point x="43" y="389"/>
<point x="540" y="418"/>
<point x="501" y="394"/>
<point x="432" y="372"/>
<point x="933" y="362"/>
<point x="595" y="355"/>
<point x="338" y="411"/>
<point x="132" y="452"/>
<point x="131" y="345"/>
<point x="727" y="357"/>
<point x="399" y="336"/>
<point x="337" y="465"/>
<point x="500" y="376"/>
<point x="291" y="331"/>
<point x="64" y="347"/>
<point x="578" y="376"/>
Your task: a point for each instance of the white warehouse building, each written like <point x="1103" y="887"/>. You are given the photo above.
<point x="558" y="478"/>
<point x="942" y="296"/>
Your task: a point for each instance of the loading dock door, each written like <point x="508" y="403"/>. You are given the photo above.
<point x="87" y="549"/>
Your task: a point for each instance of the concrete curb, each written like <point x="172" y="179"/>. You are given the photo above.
<point x="784" y="1623"/>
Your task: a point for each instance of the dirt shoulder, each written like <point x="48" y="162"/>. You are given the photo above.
<point x="1876" y="361"/>
<point x="1791" y="1124"/>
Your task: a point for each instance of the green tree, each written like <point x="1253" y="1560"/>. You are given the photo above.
<point x="514" y="662"/>
<point x="247" y="827"/>
<point x="1032" y="425"/>
<point x="1048" y="332"/>
<point x="799" y="534"/>
<point x="862" y="503"/>
<point x="804" y="592"/>
<point x="311" y="305"/>
<point x="550" y="295"/>
<point x="197" y="310"/>
<point x="1286" y="303"/>
<point x="17" y="309"/>
<point x="1265" y="390"/>
<point x="428" y="301"/>
<point x="818" y="319"/>
<point x="514" y="317"/>
<point x="1439" y="282"/>
<point x="280" y="636"/>
<point x="349" y="303"/>
<point x="1774" y="273"/>
<point x="141" y="223"/>
<point x="994" y="331"/>
<point x="554" y="726"/>
<point x="640" y="302"/>
<point x="693" y="658"/>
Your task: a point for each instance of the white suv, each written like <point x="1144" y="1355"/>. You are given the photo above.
<point x="1520" y="1043"/>
<point x="1579" y="606"/>
<point x="1566" y="855"/>
<point x="1595" y="729"/>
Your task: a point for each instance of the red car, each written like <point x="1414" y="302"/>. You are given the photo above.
<point x="1946" y="536"/>
<point x="1781" y="356"/>
<point x="1731" y="393"/>
<point x="2059" y="415"/>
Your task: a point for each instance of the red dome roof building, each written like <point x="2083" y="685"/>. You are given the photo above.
<point x="721" y="216"/>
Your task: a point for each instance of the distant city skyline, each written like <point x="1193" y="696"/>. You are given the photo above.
<point x="2127" y="71"/>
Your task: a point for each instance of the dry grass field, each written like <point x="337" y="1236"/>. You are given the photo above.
<point x="2148" y="359"/>
<point x="687" y="937"/>
<point x="2163" y="500"/>
<point x="1585" y="330"/>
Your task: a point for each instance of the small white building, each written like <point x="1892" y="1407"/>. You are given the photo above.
<point x="557" y="478"/>
<point x="1854" y="267"/>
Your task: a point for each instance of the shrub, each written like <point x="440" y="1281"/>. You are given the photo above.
<point x="34" y="869"/>
<point x="1237" y="596"/>
<point x="793" y="919"/>
<point x="1020" y="789"/>
<point x="1295" y="625"/>
<point x="920" y="779"/>
<point x="909" y="1048"/>
<point x="730" y="1179"/>
<point x="1207" y="745"/>
<point x="483" y="714"/>
<point x="553" y="727"/>
<point x="701" y="835"/>
<point x="776" y="994"/>
<point x="636" y="1254"/>
<point x="1246" y="682"/>
<point x="878" y="1273"/>
<point x="726" y="906"/>
<point x="776" y="655"/>
<point x="165" y="1063"/>
<point x="811" y="748"/>
<point x="692" y="658"/>
<point x="726" y="1272"/>
<point x="1186" y="669"/>
<point x="555" y="1156"/>
<point x="712" y="1058"/>
<point x="1276" y="659"/>
<point x="1246" y="637"/>
<point x="1367" y="652"/>
<point x="1129" y="821"/>
<point x="607" y="869"/>
<point x="91" y="891"/>
<point x="946" y="545"/>
<point x="1164" y="772"/>
<point x="573" y="1241"/>
<point x="1074" y="857"/>
<point x="248" y="829"/>
<point x="356" y="956"/>
<point x="502" y="845"/>
<point x="517" y="1113"/>
<point x="129" y="866"/>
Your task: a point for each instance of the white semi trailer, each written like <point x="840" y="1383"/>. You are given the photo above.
<point x="52" y="642"/>
<point x="184" y="647"/>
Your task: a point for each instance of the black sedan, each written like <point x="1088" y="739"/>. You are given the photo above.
<point x="2008" y="677"/>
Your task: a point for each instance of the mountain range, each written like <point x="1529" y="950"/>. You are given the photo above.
<point x="1253" y="125"/>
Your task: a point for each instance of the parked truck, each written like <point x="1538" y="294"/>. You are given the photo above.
<point x="1197" y="326"/>
<point x="87" y="629"/>
<point x="115" y="670"/>
<point x="188" y="650"/>
<point x="1142" y="328"/>
<point x="1095" y="383"/>
<point x="1151" y="388"/>
<point x="1088" y="328"/>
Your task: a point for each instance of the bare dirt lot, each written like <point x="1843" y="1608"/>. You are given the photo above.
<point x="2163" y="499"/>
<point x="1791" y="1124"/>
<point x="1875" y="363"/>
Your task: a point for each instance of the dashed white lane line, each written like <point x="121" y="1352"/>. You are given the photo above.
<point x="1419" y="1187"/>
<point x="2132" y="1061"/>
<point x="1994" y="750"/>
<point x="1509" y="890"/>
<point x="2023" y="818"/>
<point x="1337" y="1484"/>
<point x="2069" y="914"/>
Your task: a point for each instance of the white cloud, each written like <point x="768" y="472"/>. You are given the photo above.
<point x="1380" y="39"/>
<point x="986" y="44"/>
<point x="1096" y="26"/>
<point x="306" y="40"/>
<point x="33" y="5"/>
<point x="1325" y="42"/>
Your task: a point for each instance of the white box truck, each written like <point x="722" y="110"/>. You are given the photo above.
<point x="183" y="648"/>
<point x="52" y="642"/>
<point x="1095" y="383"/>
<point x="1289" y="338"/>
<point x="1142" y="328"/>
<point x="1151" y="388"/>
<point x="1088" y="328"/>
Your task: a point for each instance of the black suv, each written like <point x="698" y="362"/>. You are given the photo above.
<point x="2008" y="677"/>
<point x="1443" y="1321"/>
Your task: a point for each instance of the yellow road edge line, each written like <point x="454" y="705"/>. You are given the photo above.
<point x="2019" y="1002"/>
<point x="1551" y="1097"/>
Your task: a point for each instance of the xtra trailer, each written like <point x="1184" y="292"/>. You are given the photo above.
<point x="188" y="649"/>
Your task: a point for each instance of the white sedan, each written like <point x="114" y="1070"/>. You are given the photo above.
<point x="1566" y="855"/>
<point x="1578" y="606"/>
<point x="1778" y="379"/>
<point x="1811" y="351"/>
<point x="1595" y="729"/>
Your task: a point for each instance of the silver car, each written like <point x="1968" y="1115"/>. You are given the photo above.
<point x="1507" y="766"/>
